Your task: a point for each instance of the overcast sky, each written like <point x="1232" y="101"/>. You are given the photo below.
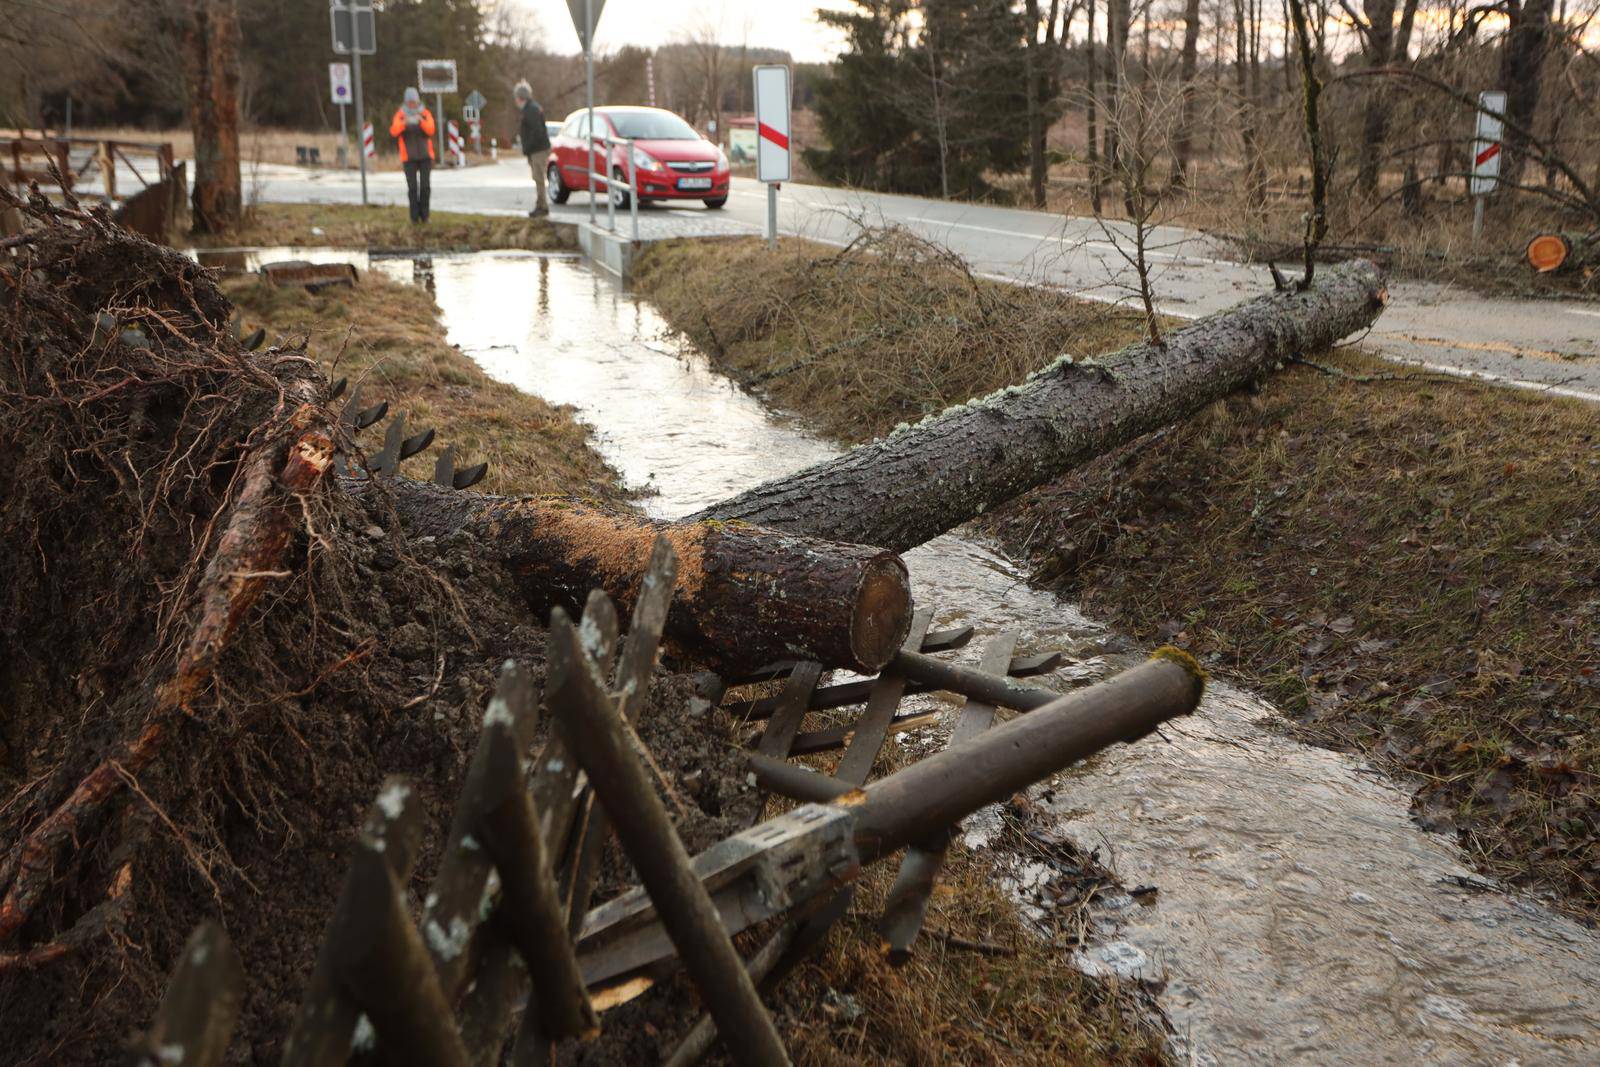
<point x="790" y="24"/>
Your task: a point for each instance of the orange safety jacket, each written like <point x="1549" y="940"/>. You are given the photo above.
<point x="427" y="128"/>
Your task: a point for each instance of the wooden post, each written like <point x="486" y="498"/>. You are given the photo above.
<point x="108" y="168"/>
<point x="201" y="1005"/>
<point x="907" y="903"/>
<point x="381" y="963"/>
<point x="530" y="905"/>
<point x="921" y="801"/>
<point x="328" y="1014"/>
<point x="599" y="739"/>
<point x="456" y="893"/>
<point x="555" y="783"/>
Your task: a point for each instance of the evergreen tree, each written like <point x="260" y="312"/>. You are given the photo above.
<point x="929" y="98"/>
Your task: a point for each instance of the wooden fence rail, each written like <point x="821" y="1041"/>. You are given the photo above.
<point x="49" y="161"/>
<point x="519" y="863"/>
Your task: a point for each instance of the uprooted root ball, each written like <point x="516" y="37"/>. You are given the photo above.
<point x="147" y="455"/>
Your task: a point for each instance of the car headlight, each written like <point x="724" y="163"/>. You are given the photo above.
<point x="642" y="160"/>
<point x="722" y="160"/>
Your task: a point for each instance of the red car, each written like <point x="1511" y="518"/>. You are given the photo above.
<point x="671" y="161"/>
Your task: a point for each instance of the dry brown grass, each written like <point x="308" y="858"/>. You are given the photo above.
<point x="1409" y="567"/>
<point x="1435" y="243"/>
<point x="387" y="336"/>
<point x="887" y="330"/>
<point x="381" y="227"/>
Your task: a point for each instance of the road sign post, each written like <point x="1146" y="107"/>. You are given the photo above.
<point x="355" y="34"/>
<point x="472" y="111"/>
<point x="773" y="164"/>
<point x="339" y="88"/>
<point x="585" y="13"/>
<point x="1487" y="148"/>
<point x="437" y="76"/>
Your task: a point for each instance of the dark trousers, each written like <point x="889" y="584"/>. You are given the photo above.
<point x="419" y="173"/>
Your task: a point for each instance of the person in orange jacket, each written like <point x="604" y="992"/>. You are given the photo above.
<point x="413" y="127"/>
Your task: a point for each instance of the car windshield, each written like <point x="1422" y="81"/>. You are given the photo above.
<point x="652" y="126"/>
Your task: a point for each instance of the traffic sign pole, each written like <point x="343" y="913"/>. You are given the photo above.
<point x="588" y="77"/>
<point x="1487" y="143"/>
<point x="361" y="121"/>
<point x="772" y="97"/>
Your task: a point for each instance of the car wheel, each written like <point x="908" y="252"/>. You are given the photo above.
<point x="557" y="191"/>
<point x="716" y="202"/>
<point x="619" y="189"/>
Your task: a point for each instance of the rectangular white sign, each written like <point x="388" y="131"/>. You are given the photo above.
<point x="339" y="83"/>
<point x="436" y="75"/>
<point x="772" y="123"/>
<point x="1487" y="144"/>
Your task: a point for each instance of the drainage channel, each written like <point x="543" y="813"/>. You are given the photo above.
<point x="1300" y="915"/>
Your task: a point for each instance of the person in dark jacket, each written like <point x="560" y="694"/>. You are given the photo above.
<point x="413" y="127"/>
<point x="535" y="143"/>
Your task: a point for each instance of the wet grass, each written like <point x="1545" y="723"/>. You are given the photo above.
<point x="383" y="227"/>
<point x="1409" y="568"/>
<point x="387" y="336"/>
<point x="860" y="339"/>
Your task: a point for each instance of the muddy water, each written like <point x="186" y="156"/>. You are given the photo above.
<point x="1301" y="916"/>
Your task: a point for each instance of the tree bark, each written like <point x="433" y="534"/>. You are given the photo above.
<point x="1246" y="68"/>
<point x="1183" y="138"/>
<point x="1527" y="39"/>
<point x="1379" y="42"/>
<point x="905" y="489"/>
<point x="744" y="596"/>
<point x="211" y="56"/>
<point x="1094" y="94"/>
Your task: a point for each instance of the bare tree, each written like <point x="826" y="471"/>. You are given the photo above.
<point x="1183" y="142"/>
<point x="1247" y="79"/>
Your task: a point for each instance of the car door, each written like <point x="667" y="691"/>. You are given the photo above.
<point x="570" y="151"/>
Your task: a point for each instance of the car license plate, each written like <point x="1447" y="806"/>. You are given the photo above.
<point x="694" y="183"/>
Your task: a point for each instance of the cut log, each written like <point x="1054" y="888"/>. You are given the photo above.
<point x="919" y="482"/>
<point x="1561" y="253"/>
<point x="744" y="596"/>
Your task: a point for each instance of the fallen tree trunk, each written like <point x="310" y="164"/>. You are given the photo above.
<point x="919" y="482"/>
<point x="745" y="596"/>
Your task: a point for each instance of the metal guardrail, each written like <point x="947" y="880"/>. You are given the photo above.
<point x="632" y="186"/>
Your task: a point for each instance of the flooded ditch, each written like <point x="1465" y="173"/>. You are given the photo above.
<point x="1300" y="915"/>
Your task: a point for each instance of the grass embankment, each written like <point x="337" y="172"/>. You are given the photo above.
<point x="859" y="339"/>
<point x="377" y="227"/>
<point x="386" y="336"/>
<point x="1408" y="567"/>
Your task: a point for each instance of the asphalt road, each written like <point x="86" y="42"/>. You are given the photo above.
<point x="1550" y="344"/>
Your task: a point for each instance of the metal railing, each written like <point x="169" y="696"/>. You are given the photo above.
<point x="632" y="186"/>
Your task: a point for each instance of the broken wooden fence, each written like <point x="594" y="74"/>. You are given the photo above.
<point x="520" y="861"/>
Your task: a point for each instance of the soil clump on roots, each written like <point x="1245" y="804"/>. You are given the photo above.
<point x="210" y="653"/>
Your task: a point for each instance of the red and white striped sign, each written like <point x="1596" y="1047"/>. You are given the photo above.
<point x="368" y="146"/>
<point x="457" y="147"/>
<point x="1487" y="136"/>
<point x="772" y="123"/>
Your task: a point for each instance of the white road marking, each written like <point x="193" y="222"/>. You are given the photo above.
<point x="1584" y="311"/>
